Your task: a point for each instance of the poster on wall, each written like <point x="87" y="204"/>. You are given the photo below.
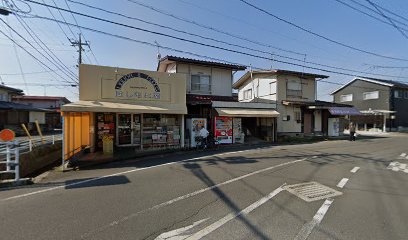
<point x="194" y="126"/>
<point x="238" y="135"/>
<point x="223" y="129"/>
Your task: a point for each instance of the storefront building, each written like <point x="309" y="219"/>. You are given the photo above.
<point x="125" y="108"/>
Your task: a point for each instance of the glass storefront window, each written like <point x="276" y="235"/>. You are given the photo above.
<point x="161" y="131"/>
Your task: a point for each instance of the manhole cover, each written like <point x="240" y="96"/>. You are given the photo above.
<point x="312" y="191"/>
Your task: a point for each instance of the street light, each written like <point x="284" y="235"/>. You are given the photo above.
<point x="4" y="12"/>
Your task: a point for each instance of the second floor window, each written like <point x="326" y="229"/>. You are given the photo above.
<point x="294" y="88"/>
<point x="371" y="95"/>
<point x="200" y="83"/>
<point x="248" y="94"/>
<point x="398" y="93"/>
<point x="346" y="98"/>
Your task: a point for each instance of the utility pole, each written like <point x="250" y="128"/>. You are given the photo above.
<point x="79" y="44"/>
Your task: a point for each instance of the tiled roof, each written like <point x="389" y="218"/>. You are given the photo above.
<point x="388" y="83"/>
<point x="25" y="97"/>
<point x="247" y="75"/>
<point x="202" y="62"/>
<point x="18" y="106"/>
<point x="11" y="89"/>
<point x="316" y="103"/>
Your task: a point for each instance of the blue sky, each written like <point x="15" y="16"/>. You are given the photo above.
<point x="325" y="17"/>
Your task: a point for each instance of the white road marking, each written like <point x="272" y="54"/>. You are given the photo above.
<point x="397" y="166"/>
<point x="403" y="155"/>
<point x="318" y="217"/>
<point x="117" y="174"/>
<point x="355" y="169"/>
<point x="211" y="228"/>
<point x="177" y="233"/>
<point x="164" y="204"/>
<point x="342" y="182"/>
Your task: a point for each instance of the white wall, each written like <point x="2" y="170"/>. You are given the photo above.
<point x="221" y="79"/>
<point x="39" y="116"/>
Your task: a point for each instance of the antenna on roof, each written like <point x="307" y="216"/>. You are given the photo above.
<point x="272" y="54"/>
<point x="158" y="51"/>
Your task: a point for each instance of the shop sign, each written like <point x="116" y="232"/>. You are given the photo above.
<point x="134" y="91"/>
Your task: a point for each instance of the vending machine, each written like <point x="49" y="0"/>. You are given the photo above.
<point x="223" y="130"/>
<point x="194" y="126"/>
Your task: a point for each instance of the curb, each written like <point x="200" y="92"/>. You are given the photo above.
<point x="13" y="183"/>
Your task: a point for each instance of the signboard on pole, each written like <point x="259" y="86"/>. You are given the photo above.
<point x="7" y="135"/>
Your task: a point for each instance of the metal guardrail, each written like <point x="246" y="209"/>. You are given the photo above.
<point x="27" y="145"/>
<point x="12" y="150"/>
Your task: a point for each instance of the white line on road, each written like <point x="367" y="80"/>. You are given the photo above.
<point x="355" y="169"/>
<point x="177" y="234"/>
<point x="318" y="217"/>
<point x="120" y="173"/>
<point x="342" y="182"/>
<point x="403" y="155"/>
<point x="204" y="232"/>
<point x="164" y="204"/>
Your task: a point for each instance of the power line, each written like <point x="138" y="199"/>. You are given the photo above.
<point x="214" y="46"/>
<point x="62" y="16"/>
<point x="179" y="31"/>
<point x="198" y="55"/>
<point x="19" y="62"/>
<point x="389" y="19"/>
<point x="50" y="53"/>
<point x="43" y="64"/>
<point x="376" y="12"/>
<point x="367" y="14"/>
<point x="319" y="35"/>
<point x="89" y="46"/>
<point x="213" y="28"/>
<point x="26" y="73"/>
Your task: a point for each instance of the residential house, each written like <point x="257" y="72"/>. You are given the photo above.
<point x="210" y="96"/>
<point x="381" y="101"/>
<point x="51" y="103"/>
<point x="12" y="114"/>
<point x="294" y="94"/>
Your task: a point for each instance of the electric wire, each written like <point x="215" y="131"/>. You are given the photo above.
<point x="211" y="46"/>
<point x="389" y="19"/>
<point x="220" y="41"/>
<point x="48" y="51"/>
<point x="199" y="55"/>
<point x="367" y="14"/>
<point x="213" y="28"/>
<point x="29" y="52"/>
<point x="89" y="45"/>
<point x="317" y="34"/>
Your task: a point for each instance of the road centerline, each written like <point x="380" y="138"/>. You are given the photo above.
<point x="355" y="169"/>
<point x="342" y="182"/>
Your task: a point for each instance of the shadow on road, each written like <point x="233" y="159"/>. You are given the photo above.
<point x="200" y="174"/>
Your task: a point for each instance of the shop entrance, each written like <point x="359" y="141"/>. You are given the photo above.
<point x="129" y="129"/>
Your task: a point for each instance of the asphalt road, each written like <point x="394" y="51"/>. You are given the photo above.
<point x="350" y="190"/>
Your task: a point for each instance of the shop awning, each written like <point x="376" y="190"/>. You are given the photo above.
<point x="246" y="112"/>
<point x="97" y="106"/>
<point x="344" y="111"/>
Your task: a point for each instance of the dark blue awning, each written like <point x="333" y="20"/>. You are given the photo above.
<point x="344" y="111"/>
